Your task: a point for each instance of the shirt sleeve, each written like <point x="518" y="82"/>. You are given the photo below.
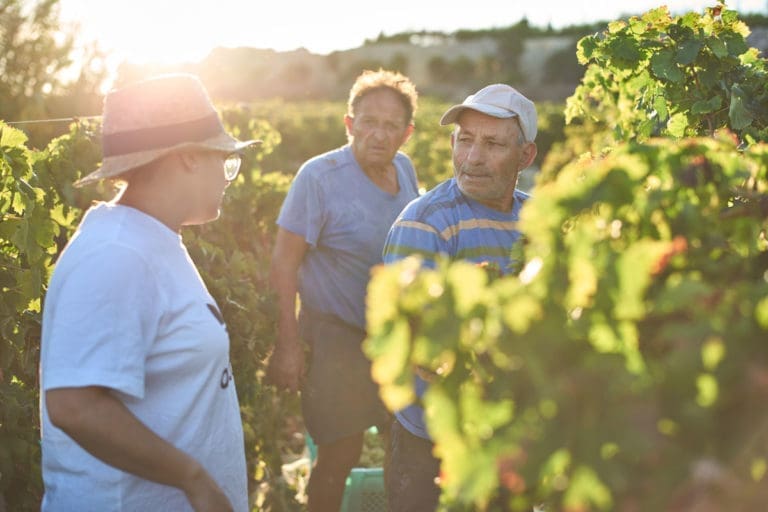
<point x="409" y="171"/>
<point x="303" y="211"/>
<point x="413" y="237"/>
<point x="104" y="317"/>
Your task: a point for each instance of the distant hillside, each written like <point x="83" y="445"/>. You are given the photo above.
<point x="449" y="69"/>
<point x="541" y="63"/>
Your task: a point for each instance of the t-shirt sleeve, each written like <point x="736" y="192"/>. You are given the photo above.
<point x="409" y="171"/>
<point x="303" y="211"/>
<point x="105" y="316"/>
<point x="409" y="236"/>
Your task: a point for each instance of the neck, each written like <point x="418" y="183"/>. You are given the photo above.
<point x="504" y="206"/>
<point x="153" y="201"/>
<point x="383" y="177"/>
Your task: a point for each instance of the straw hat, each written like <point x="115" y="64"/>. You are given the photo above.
<point x="150" y="119"/>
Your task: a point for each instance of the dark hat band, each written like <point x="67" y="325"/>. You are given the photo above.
<point x="158" y="137"/>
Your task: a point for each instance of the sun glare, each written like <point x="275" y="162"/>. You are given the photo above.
<point x="142" y="31"/>
<point x="175" y="31"/>
<point x="168" y="32"/>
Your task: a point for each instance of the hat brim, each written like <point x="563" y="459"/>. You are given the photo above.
<point x="113" y="166"/>
<point x="452" y="114"/>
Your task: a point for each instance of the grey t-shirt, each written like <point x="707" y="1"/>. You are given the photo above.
<point x="345" y="218"/>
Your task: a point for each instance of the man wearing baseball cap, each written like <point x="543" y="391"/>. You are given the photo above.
<point x="473" y="217"/>
<point x="138" y="403"/>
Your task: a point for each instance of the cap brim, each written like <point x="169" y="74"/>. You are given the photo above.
<point x="452" y="114"/>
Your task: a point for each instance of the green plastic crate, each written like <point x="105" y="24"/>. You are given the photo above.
<point x="365" y="491"/>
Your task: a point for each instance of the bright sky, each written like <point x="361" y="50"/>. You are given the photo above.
<point x="167" y="31"/>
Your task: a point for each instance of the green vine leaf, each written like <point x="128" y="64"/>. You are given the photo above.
<point x="677" y="124"/>
<point x="664" y="67"/>
<point x="687" y="51"/>
<point x="585" y="49"/>
<point x="10" y="137"/>
<point x="717" y="46"/>
<point x="707" y="106"/>
<point x="737" y="112"/>
<point x="625" y="52"/>
<point x="734" y="43"/>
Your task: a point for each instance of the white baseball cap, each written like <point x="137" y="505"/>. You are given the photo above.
<point x="502" y="101"/>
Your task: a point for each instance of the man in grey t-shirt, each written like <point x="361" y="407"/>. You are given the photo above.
<point x="331" y="232"/>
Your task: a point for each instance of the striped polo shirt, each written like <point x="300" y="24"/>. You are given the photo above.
<point x="445" y="222"/>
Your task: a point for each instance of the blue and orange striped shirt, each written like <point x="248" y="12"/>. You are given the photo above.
<point x="445" y="222"/>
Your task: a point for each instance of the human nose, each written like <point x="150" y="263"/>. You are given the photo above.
<point x="380" y="132"/>
<point x="474" y="154"/>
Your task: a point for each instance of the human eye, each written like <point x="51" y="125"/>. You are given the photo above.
<point x="367" y="122"/>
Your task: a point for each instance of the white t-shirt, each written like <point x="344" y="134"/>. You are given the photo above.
<point x="126" y="309"/>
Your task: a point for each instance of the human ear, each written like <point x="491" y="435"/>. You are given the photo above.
<point x="408" y="133"/>
<point x="528" y="154"/>
<point x="348" y="120"/>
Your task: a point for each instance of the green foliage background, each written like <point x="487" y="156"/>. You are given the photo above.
<point x="623" y="368"/>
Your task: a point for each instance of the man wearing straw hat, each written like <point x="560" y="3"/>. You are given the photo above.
<point x="138" y="403"/>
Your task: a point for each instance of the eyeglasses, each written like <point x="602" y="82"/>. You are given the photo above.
<point x="232" y="166"/>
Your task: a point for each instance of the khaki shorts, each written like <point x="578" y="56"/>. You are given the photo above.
<point x="338" y="398"/>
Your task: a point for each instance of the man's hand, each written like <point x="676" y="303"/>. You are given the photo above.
<point x="286" y="365"/>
